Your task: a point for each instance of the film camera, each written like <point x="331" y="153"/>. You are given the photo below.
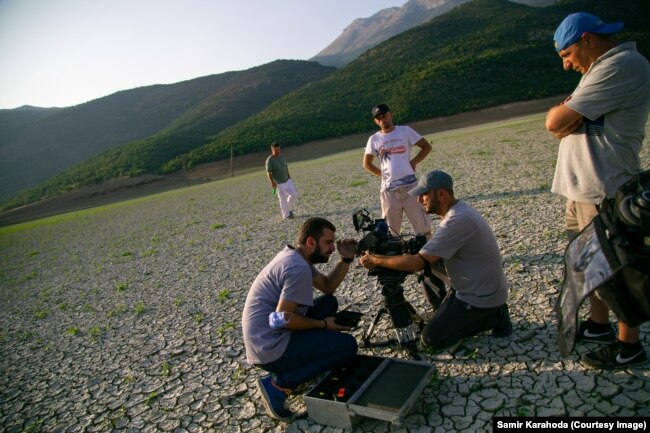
<point x="377" y="240"/>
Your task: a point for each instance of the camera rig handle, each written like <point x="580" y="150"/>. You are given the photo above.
<point x="361" y="220"/>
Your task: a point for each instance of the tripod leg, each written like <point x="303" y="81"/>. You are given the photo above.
<point x="412" y="349"/>
<point x="408" y="341"/>
<point x="371" y="328"/>
<point x="415" y="317"/>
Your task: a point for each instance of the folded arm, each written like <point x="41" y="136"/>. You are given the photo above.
<point x="562" y="120"/>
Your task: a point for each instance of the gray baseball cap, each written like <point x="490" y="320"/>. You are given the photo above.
<point x="433" y="180"/>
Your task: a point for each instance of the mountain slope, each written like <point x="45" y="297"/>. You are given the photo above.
<point x="15" y="124"/>
<point x="77" y="133"/>
<point x="481" y="54"/>
<point x="161" y="121"/>
<point x="364" y="33"/>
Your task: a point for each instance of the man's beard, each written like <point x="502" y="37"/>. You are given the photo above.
<point x="386" y="126"/>
<point x="432" y="207"/>
<point x="318" y="256"/>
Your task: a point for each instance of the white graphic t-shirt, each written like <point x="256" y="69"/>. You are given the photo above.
<point x="394" y="153"/>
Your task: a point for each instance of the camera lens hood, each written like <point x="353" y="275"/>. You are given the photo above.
<point x="628" y="216"/>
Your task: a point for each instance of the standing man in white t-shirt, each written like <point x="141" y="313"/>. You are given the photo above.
<point x="392" y="145"/>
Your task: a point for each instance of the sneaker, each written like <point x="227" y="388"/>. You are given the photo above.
<point x="273" y="399"/>
<point x="504" y="327"/>
<point x="587" y="332"/>
<point x="611" y="357"/>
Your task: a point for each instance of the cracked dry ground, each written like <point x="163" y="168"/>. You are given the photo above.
<point x="126" y="318"/>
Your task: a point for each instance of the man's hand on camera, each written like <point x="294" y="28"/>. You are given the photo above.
<point x="367" y="260"/>
<point x="346" y="248"/>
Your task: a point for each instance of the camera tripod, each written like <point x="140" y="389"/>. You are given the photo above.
<point x="401" y="312"/>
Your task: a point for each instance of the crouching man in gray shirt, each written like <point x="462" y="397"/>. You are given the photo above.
<point x="466" y="245"/>
<point x="286" y="331"/>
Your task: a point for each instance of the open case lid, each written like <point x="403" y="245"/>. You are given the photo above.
<point x="392" y="389"/>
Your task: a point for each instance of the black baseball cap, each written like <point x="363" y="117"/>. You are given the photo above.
<point x="379" y="109"/>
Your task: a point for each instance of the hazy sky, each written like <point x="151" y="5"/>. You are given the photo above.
<point x="65" y="52"/>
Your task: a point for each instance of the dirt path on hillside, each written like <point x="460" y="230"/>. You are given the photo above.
<point x="129" y="188"/>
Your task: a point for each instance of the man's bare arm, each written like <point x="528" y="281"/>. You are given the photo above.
<point x="425" y="149"/>
<point x="562" y="120"/>
<point x="369" y="166"/>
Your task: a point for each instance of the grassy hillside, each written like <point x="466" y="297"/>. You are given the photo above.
<point x="481" y="54"/>
<point x="158" y="123"/>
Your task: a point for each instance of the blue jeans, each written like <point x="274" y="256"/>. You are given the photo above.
<point x="312" y="352"/>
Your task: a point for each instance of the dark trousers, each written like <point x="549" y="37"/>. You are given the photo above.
<point x="313" y="352"/>
<point x="455" y="320"/>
